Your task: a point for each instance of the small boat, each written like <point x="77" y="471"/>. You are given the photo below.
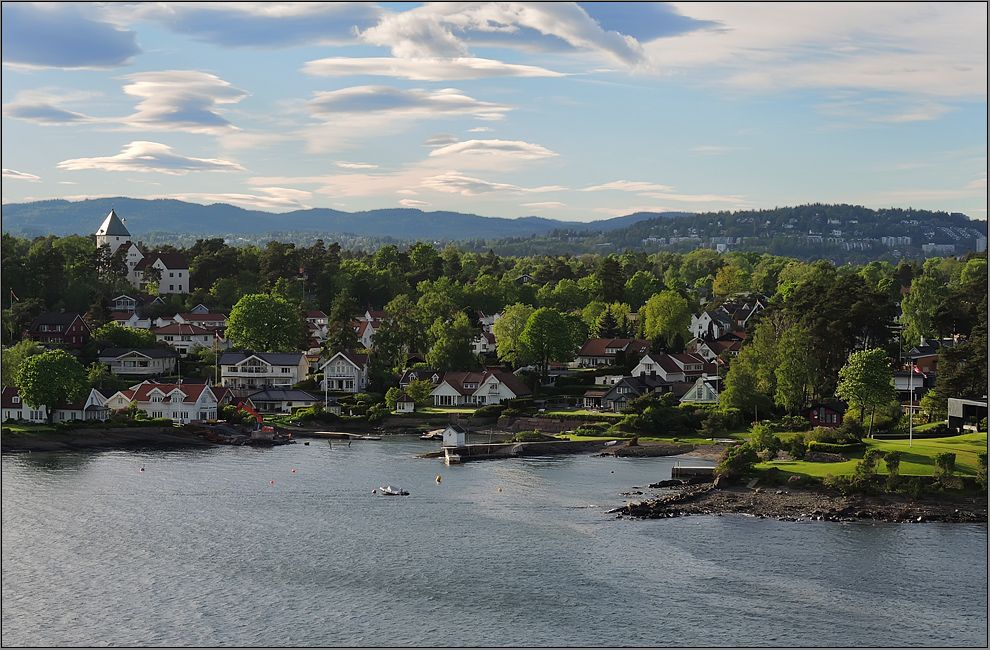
<point x="388" y="490"/>
<point x="433" y="435"/>
<point x="611" y="442"/>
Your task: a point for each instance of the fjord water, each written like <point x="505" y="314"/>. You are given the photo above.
<point x="230" y="547"/>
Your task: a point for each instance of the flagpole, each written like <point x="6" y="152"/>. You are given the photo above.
<point x="910" y="402"/>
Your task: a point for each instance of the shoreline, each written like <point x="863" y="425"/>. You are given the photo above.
<point x="100" y="439"/>
<point x="808" y="505"/>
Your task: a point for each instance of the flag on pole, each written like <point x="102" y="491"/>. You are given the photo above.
<point x="14" y="295"/>
<point x="918" y="370"/>
<point x="719" y="359"/>
<point x="217" y="334"/>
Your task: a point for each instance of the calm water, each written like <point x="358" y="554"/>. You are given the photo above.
<point x="202" y="549"/>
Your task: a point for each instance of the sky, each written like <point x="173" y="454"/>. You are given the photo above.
<point x="577" y="112"/>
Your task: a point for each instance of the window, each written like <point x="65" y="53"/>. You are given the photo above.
<point x="171" y="287"/>
<point x="171" y="275"/>
<point x="286" y="371"/>
<point x="17" y="399"/>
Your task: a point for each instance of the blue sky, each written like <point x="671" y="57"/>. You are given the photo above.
<point x="577" y="112"/>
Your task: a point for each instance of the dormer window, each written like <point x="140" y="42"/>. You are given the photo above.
<point x="16" y="399"/>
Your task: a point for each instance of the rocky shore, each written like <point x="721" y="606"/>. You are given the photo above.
<point x="90" y="439"/>
<point x="808" y="505"/>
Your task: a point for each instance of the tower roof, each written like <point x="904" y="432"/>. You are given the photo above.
<point x="113" y="227"/>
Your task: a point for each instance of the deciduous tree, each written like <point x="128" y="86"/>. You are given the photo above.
<point x="264" y="323"/>
<point x="51" y="379"/>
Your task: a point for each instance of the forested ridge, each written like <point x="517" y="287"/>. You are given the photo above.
<point x="840" y="233"/>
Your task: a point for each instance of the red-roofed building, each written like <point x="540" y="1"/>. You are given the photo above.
<point x="66" y="329"/>
<point x="602" y="352"/>
<point x="478" y="388"/>
<point x="184" y="337"/>
<point x="182" y="403"/>
<point x="346" y="371"/>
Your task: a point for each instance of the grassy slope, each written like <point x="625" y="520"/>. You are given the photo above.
<point x="915" y="459"/>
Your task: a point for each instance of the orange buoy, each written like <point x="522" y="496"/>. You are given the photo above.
<point x="438" y="479"/>
<point x="500" y="489"/>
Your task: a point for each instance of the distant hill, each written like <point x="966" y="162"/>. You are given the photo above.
<point x="62" y="218"/>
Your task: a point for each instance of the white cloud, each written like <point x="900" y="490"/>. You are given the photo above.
<point x="13" y="174"/>
<point x="629" y="186"/>
<point x="260" y="25"/>
<point x="480" y="129"/>
<point x="457" y="183"/>
<point x="544" y="204"/>
<point x="654" y="191"/>
<point x="413" y="203"/>
<point x="276" y="198"/>
<point x="424" y="69"/>
<point x="622" y="212"/>
<point x="502" y="149"/>
<point x="417" y="103"/>
<point x="429" y="31"/>
<point x="143" y="156"/>
<point x="933" y="49"/>
<point x="713" y="149"/>
<point x="350" y="165"/>
<point x="440" y="140"/>
<point x="350" y="114"/>
<point x="171" y="100"/>
<point x="185" y="100"/>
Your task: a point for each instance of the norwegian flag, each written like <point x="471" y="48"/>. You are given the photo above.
<point x="14" y="295"/>
<point x="719" y="359"/>
<point x="918" y="370"/>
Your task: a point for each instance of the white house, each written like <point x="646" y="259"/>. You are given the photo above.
<point x="259" y="370"/>
<point x="673" y="368"/>
<point x="182" y="403"/>
<point x="405" y="404"/>
<point x="346" y="371"/>
<point x="89" y="408"/>
<point x="14" y="407"/>
<point x="275" y="400"/>
<point x="454" y="436"/>
<point x="703" y="391"/>
<point x="484" y="343"/>
<point x="184" y="338"/>
<point x="130" y="362"/>
<point x="710" y="324"/>
<point x="478" y="388"/>
<point x="172" y="269"/>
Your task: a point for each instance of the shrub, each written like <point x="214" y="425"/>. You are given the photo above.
<point x="764" y="442"/>
<point x="377" y="412"/>
<point x="368" y="398"/>
<point x="981" y="471"/>
<point x="850" y="429"/>
<point x="735" y="462"/>
<point x="893" y="462"/>
<point x="866" y="469"/>
<point x="945" y="467"/>
<point x="531" y="436"/>
<point x="489" y="411"/>
<point x="592" y="429"/>
<point x="798" y="447"/>
<point x="795" y="423"/>
<point x="832" y="448"/>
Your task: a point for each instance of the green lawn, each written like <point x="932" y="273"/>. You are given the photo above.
<point x="26" y="429"/>
<point x="916" y="459"/>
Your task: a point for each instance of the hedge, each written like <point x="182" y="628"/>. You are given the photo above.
<point x="833" y="448"/>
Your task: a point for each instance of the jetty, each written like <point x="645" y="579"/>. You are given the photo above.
<point x="489" y="451"/>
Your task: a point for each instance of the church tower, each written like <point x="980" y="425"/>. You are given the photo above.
<point x="112" y="232"/>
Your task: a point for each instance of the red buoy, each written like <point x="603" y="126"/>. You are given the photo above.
<point x="293" y="470"/>
<point x="273" y="482"/>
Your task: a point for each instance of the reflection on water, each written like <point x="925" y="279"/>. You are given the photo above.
<point x="230" y="546"/>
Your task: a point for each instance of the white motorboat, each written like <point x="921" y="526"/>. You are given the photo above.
<point x="388" y="490"/>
